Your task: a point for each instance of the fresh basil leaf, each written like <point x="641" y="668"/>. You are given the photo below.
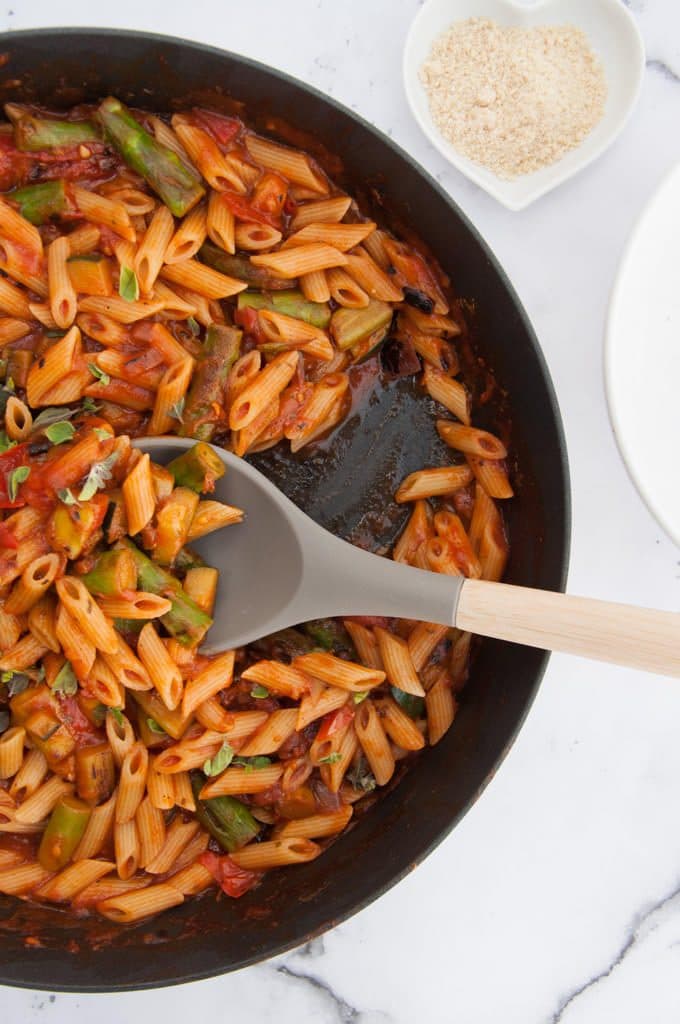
<point x="14" y="479"/>
<point x="100" y="375"/>
<point x="222" y="759"/>
<point x="193" y="325"/>
<point x="99" y="714"/>
<point x="99" y="474"/>
<point x="54" y="414"/>
<point x="259" y="692"/>
<point x="4" y="721"/>
<point x="360" y="696"/>
<point x="66" y="495"/>
<point x="5" y="443"/>
<point x="177" y="410"/>
<point x="155" y="727"/>
<point x="330" y="758"/>
<point x="117" y="715"/>
<point x="89" y="405"/>
<point x="252" y="763"/>
<point x="65" y="681"/>
<point x="360" y="777"/>
<point x="128" y="286"/>
<point x="60" y="432"/>
<point x="16" y="682"/>
<point x="103" y="435"/>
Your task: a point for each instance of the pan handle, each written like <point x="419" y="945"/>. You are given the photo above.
<point x="635" y="637"/>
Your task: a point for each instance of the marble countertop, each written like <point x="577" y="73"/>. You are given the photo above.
<point x="557" y="899"/>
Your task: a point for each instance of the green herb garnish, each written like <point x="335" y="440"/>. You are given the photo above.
<point x="117" y="715"/>
<point x="128" y="286"/>
<point x="331" y="758"/>
<point x="177" y="410"/>
<point x="222" y="759"/>
<point x="65" y="681"/>
<point x="99" y="474"/>
<point x="100" y="375"/>
<point x="60" y="432"/>
<point x="14" y="479"/>
<point x="66" y="496"/>
<point x="259" y="692"/>
<point x="155" y="727"/>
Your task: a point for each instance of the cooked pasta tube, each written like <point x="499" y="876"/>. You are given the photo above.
<point x="216" y="676"/>
<point x="275" y="853"/>
<point x="164" y="674"/>
<point x="140" y="903"/>
<point x="374" y="742"/>
<point x="344" y="674"/>
<point x="317" y="826"/>
<point x="448" y="392"/>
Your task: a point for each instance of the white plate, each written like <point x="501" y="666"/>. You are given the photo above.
<point x="614" y="36"/>
<point x="642" y="355"/>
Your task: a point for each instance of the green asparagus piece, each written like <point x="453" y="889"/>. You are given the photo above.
<point x="129" y="627"/>
<point x="36" y="133"/>
<point x="39" y="203"/>
<point x="348" y="326"/>
<point x="242" y="268"/>
<point x="114" y="572"/>
<point x="220" y="351"/>
<point x="186" y="559"/>
<point x="197" y="468"/>
<point x="226" y="819"/>
<point x="185" y="620"/>
<point x="330" y="634"/>
<point x="290" y="303"/>
<point x="178" y="187"/>
<point x="63" y="833"/>
<point x="408" y="702"/>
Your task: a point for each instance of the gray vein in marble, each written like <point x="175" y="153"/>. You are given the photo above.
<point x="637" y="933"/>
<point x="346" y="1013"/>
<point x="663" y="69"/>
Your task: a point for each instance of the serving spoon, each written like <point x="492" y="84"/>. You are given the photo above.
<point x="278" y="568"/>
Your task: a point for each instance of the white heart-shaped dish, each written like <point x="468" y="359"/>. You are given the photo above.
<point x="612" y="33"/>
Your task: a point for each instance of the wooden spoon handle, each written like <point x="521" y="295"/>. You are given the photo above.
<point x="635" y="637"/>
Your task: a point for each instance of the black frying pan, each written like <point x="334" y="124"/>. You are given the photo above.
<point x="347" y="488"/>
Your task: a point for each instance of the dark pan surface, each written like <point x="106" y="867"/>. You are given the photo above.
<point x="344" y="487"/>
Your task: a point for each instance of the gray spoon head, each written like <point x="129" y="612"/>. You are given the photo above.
<point x="278" y="568"/>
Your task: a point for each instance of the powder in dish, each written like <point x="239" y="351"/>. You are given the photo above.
<point x="514" y="99"/>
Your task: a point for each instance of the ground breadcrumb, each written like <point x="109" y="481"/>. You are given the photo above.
<point x="514" y="99"/>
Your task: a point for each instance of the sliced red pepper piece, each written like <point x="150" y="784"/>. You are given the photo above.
<point x="335" y="721"/>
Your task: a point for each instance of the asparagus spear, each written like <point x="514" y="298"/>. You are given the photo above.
<point x="241" y="268"/>
<point x="412" y="705"/>
<point x="185" y="620"/>
<point x="220" y="351"/>
<point x="348" y="326"/>
<point x="114" y="572"/>
<point x="35" y="133"/>
<point x="198" y="468"/>
<point x="63" y="833"/>
<point x="39" y="203"/>
<point x="291" y="303"/>
<point x="178" y="187"/>
<point x="226" y="819"/>
<point x="187" y="559"/>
